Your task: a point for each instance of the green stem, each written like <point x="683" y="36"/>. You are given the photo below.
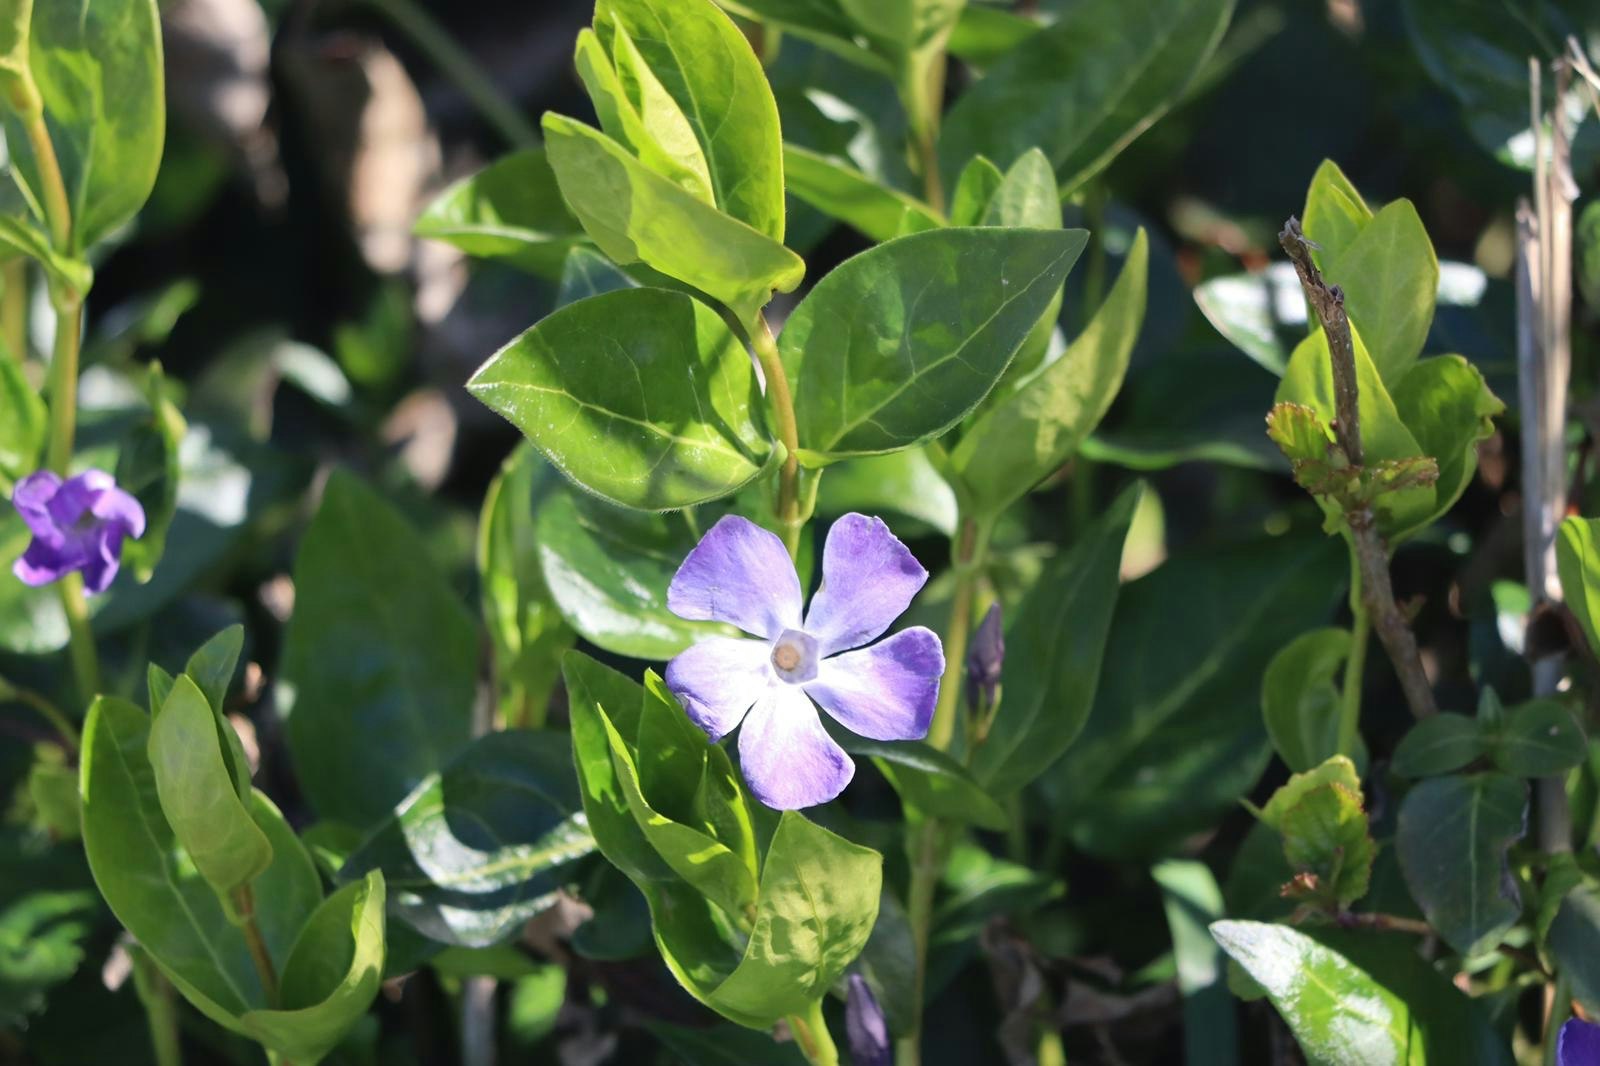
<point x="972" y="542"/>
<point x="64" y="383"/>
<point x="922" y="92"/>
<point x="49" y="712"/>
<point x="54" y="190"/>
<point x="244" y="903"/>
<point x="459" y="66"/>
<point x="811" y="1034"/>
<point x="14" y="308"/>
<point x="1354" y="668"/>
<point x="160" y="1007"/>
<point x="1560" y="1011"/>
<point x="792" y="513"/>
<point x="927" y="859"/>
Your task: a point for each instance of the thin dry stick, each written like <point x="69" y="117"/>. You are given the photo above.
<point x="1372" y="554"/>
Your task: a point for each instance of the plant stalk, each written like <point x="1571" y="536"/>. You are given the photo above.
<point x="1354" y="669"/>
<point x="244" y="902"/>
<point x="811" y="1034"/>
<point x="971" y="549"/>
<point x="63" y="429"/>
<point x="160" y="1008"/>
<point x="57" y="210"/>
<point x="49" y="712"/>
<point x="1372" y="554"/>
<point x="792" y="513"/>
<point x="926" y="848"/>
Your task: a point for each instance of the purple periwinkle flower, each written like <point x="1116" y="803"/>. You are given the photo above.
<point x="77" y="524"/>
<point x="985" y="658"/>
<point x="740" y="574"/>
<point x="1578" y="1044"/>
<point x="865" y="1026"/>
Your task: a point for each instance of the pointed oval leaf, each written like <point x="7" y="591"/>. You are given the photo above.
<point x="1448" y="408"/>
<point x="641" y="396"/>
<point x="1390" y="278"/>
<point x="1538" y="739"/>
<point x="511" y="210"/>
<point x="1299" y="699"/>
<point x="1335" y="212"/>
<point x="929" y="780"/>
<point x="840" y="191"/>
<point x="1437" y="745"/>
<point x="23" y="423"/>
<point x="1578" y="563"/>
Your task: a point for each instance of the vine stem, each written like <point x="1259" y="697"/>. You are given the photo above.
<point x="160" y="1010"/>
<point x="791" y="510"/>
<point x="1354" y="669"/>
<point x="48" y="711"/>
<point x="244" y="902"/>
<point x="57" y="210"/>
<point x="926" y="850"/>
<point x="971" y="549"/>
<point x="811" y="1033"/>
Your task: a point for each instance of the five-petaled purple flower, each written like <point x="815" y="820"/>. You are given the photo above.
<point x="1578" y="1044"/>
<point x="740" y="573"/>
<point x="77" y="524"/>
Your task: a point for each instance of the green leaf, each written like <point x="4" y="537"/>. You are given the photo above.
<point x="380" y="659"/>
<point x="1055" y="644"/>
<point x="483" y="845"/>
<point x="1328" y="842"/>
<point x="642" y="396"/>
<point x="331" y="977"/>
<point x="1452" y="840"/>
<point x="1362" y="1001"/>
<point x="709" y="69"/>
<point x="929" y="781"/>
<point x="1448" y="407"/>
<point x="1574" y="940"/>
<point x="1390" y="279"/>
<point x="1026" y="197"/>
<point x="1192" y="901"/>
<point x="822" y="22"/>
<point x="980" y="887"/>
<point x="48" y="913"/>
<point x="817" y="905"/>
<point x="510" y="210"/>
<point x="635" y="215"/>
<point x="980" y="179"/>
<point x="24" y="421"/>
<point x="1384" y="436"/>
<point x="1300" y="702"/>
<point x="1028" y="435"/>
<point x="903" y="482"/>
<point x="1578" y="563"/>
<point x="157" y="893"/>
<point x="198" y="795"/>
<point x="1248" y="310"/>
<point x="1335" y="212"/>
<point x="984" y="33"/>
<point x="148" y="466"/>
<point x="840" y="191"/>
<point x="608" y="569"/>
<point x="1336" y="770"/>
<point x="99" y="71"/>
<point x="1437" y="745"/>
<point x="1538" y="739"/>
<point x="526" y="628"/>
<point x="22" y="237"/>
<point x="52" y="788"/>
<point x="897" y="344"/>
<point x="1084" y="87"/>
<point x="212" y="666"/>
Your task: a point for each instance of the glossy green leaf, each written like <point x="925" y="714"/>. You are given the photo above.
<point x="511" y="210"/>
<point x="1300" y="701"/>
<point x="608" y="569"/>
<point x="331" y="977"/>
<point x="23" y="424"/>
<point x="1337" y="770"/>
<point x="1260" y="314"/>
<point x="483" y="845"/>
<point x="1084" y="87"/>
<point x="975" y="187"/>
<point x="1328" y="843"/>
<point x="707" y="66"/>
<point x="897" y="344"/>
<point x="1192" y="901"/>
<point x="635" y="215"/>
<point x="984" y="33"/>
<point x="1029" y="434"/>
<point x="1438" y="745"/>
<point x="1574" y="941"/>
<point x="929" y="781"/>
<point x="1578" y="563"/>
<point x="1026" y="196"/>
<point x="1055" y="644"/>
<point x="212" y="666"/>
<point x="822" y="22"/>
<point x="1449" y="409"/>
<point x="1335" y="212"/>
<point x="158" y="895"/>
<point x="1361" y="1002"/>
<point x="1390" y="278"/>
<point x="818" y="902"/>
<point x="380" y="659"/>
<point x="642" y="396"/>
<point x="526" y="628"/>
<point x="979" y="887"/>
<point x="198" y="795"/>
<point x="1175" y="737"/>
<point x="903" y="482"/>
<point x="1452" y="840"/>
<point x="99" y="72"/>
<point x="841" y="191"/>
<point x="1538" y="739"/>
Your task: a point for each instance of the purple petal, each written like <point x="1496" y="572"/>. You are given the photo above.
<point x="1578" y="1044"/>
<point x="103" y="559"/>
<point x="864" y="1024"/>
<point x="868" y="580"/>
<point x="787" y="759"/>
<point x="741" y="574"/>
<point x="887" y="691"/>
<point x="718" y="679"/>
<point x="31" y="497"/>
<point x="43" y="563"/>
<point x="120" y="509"/>
<point x="78" y="494"/>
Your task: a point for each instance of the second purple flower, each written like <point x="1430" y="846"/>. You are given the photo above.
<point x="740" y="574"/>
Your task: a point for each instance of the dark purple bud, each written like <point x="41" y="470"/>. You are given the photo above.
<point x="77" y="524"/>
<point x="865" y="1026"/>
<point x="1578" y="1044"/>
<point x="985" y="658"/>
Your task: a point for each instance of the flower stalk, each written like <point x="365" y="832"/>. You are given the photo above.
<point x="811" y="1034"/>
<point x="792" y="512"/>
<point x="244" y="904"/>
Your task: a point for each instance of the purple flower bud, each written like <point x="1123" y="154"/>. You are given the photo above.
<point x="1578" y="1044"/>
<point x="985" y="658"/>
<point x="865" y="1026"/>
<point x="77" y="524"/>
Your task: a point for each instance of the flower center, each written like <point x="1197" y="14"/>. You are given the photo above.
<point x="794" y="656"/>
